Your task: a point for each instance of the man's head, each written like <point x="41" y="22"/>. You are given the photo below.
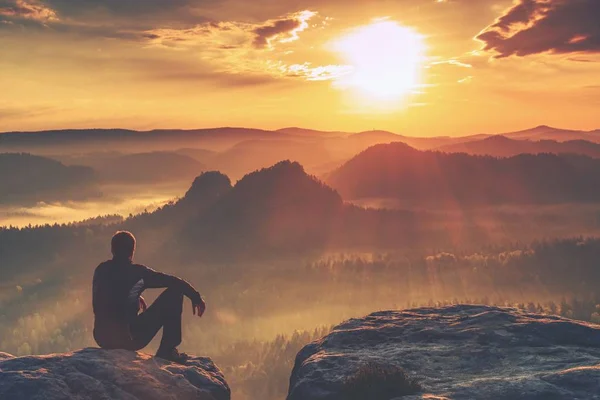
<point x="123" y="245"/>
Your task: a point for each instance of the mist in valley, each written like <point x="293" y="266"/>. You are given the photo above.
<point x="283" y="250"/>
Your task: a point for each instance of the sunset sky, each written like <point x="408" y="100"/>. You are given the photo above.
<point x="419" y="67"/>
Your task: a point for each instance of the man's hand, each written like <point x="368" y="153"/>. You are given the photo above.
<point x="198" y="305"/>
<point x="143" y="304"/>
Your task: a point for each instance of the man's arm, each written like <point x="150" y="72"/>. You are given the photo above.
<point x="154" y="279"/>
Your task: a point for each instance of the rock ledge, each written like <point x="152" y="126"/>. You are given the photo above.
<point x="109" y="374"/>
<point x="458" y="352"/>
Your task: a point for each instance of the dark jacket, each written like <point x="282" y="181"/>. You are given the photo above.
<point x="117" y="287"/>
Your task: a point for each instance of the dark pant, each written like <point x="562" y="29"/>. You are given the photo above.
<point x="164" y="313"/>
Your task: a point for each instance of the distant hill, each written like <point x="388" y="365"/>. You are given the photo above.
<point x="140" y="167"/>
<point x="339" y="145"/>
<point x="123" y="139"/>
<point x="202" y="155"/>
<point x="28" y="178"/>
<point x="438" y="179"/>
<point x="206" y="190"/>
<point x="312" y="132"/>
<point x="502" y="146"/>
<point x="369" y="138"/>
<point x="279" y="208"/>
<point x="276" y="211"/>
<point x="376" y="135"/>
<point x="544" y="132"/>
<point x="252" y="155"/>
<point x="156" y="166"/>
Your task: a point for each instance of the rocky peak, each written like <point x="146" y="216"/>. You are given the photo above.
<point x="207" y="187"/>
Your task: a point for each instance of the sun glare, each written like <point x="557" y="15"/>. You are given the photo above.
<point x="386" y="60"/>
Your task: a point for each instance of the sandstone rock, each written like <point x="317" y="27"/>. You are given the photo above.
<point x="109" y="374"/>
<point x="458" y="352"/>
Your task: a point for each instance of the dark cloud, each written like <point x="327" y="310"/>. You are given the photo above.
<point x="103" y="18"/>
<point x="122" y="7"/>
<point x="267" y="32"/>
<point x="233" y="35"/>
<point x="37" y="16"/>
<point x="136" y="19"/>
<point x="26" y="10"/>
<point x="73" y="30"/>
<point x="582" y="60"/>
<point x="522" y="12"/>
<point x="539" y="26"/>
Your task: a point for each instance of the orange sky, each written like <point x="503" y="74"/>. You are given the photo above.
<point x="411" y="66"/>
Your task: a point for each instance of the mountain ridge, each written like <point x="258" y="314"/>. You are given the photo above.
<point x="503" y="146"/>
<point x="433" y="178"/>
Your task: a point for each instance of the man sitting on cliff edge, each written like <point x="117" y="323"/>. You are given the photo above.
<point x="117" y="302"/>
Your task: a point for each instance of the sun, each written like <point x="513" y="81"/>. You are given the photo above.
<point x="385" y="57"/>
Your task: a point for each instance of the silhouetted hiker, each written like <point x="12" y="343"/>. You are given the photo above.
<point x="117" y="288"/>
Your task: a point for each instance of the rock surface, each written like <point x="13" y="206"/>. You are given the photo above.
<point x="109" y="374"/>
<point x="458" y="352"/>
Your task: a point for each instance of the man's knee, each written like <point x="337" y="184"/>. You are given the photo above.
<point x="174" y="297"/>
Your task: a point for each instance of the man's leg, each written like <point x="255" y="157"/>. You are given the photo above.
<point x="165" y="312"/>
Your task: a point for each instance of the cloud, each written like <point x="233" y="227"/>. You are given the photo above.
<point x="264" y="34"/>
<point x="26" y="10"/>
<point x="286" y="30"/>
<point x="206" y="36"/>
<point x="234" y="35"/>
<point x="545" y="26"/>
<point x="582" y="60"/>
<point x="319" y="73"/>
<point x="117" y="7"/>
<point x="116" y="19"/>
<point x="235" y="49"/>
<point x="453" y="62"/>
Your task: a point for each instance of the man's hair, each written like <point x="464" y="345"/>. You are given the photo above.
<point x="122" y="245"/>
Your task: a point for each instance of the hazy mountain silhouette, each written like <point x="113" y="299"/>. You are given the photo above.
<point x="369" y="138"/>
<point x="446" y="180"/>
<point x="206" y="190"/>
<point x="501" y="146"/>
<point x="141" y="167"/>
<point x="28" y="178"/>
<point x="544" y="132"/>
<point x="123" y="139"/>
<point x="282" y="210"/>
<point x="149" y="167"/>
<point x="252" y="155"/>
<point x="278" y="209"/>
<point x="376" y="135"/>
<point x="202" y="155"/>
<point x="197" y="143"/>
<point x="365" y="139"/>
<point x="313" y="132"/>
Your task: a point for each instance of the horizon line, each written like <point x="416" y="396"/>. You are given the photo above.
<point x="289" y="127"/>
